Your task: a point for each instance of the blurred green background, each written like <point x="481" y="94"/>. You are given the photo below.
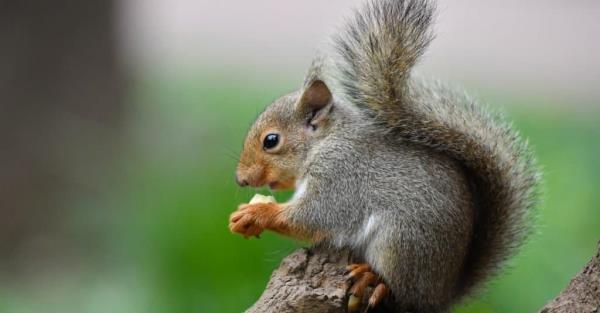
<point x="202" y="267"/>
<point x="130" y="211"/>
<point x="169" y="249"/>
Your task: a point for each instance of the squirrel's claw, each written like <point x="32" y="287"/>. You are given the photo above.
<point x="357" y="291"/>
<point x="364" y="278"/>
<point x="379" y="293"/>
<point x="356" y="270"/>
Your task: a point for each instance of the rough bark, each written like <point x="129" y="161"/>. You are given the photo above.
<point x="313" y="280"/>
<point x="582" y="295"/>
<point x="308" y="280"/>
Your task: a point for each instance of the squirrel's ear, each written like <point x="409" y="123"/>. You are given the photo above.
<point x="316" y="100"/>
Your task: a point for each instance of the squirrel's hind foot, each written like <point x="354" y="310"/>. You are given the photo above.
<point x="365" y="284"/>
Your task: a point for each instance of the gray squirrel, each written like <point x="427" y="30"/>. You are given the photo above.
<point x="433" y="192"/>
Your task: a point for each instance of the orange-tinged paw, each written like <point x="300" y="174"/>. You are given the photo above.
<point x="249" y="220"/>
<point x="366" y="285"/>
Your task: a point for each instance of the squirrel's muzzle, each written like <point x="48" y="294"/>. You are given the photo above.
<point x="240" y="181"/>
<point x="250" y="176"/>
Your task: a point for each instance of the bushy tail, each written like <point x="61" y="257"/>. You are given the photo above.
<point x="379" y="46"/>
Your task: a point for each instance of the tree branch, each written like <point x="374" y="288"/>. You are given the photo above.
<point x="582" y="295"/>
<point x="308" y="280"/>
<point x="313" y="280"/>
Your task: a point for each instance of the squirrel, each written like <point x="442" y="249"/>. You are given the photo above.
<point x="421" y="182"/>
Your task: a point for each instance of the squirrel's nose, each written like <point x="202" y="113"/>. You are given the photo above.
<point x="241" y="182"/>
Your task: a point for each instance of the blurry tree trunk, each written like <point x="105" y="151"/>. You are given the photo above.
<point x="582" y="295"/>
<point x="60" y="111"/>
<point x="313" y="280"/>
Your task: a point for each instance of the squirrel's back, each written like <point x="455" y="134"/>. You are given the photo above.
<point x="378" y="49"/>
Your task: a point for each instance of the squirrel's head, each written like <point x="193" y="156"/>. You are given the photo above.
<point x="278" y="142"/>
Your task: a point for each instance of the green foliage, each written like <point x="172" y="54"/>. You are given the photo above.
<point x="186" y="192"/>
<point x="170" y="248"/>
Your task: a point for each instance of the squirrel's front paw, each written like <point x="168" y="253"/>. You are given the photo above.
<point x="245" y="221"/>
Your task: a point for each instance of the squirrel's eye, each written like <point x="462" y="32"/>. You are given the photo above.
<point x="271" y="141"/>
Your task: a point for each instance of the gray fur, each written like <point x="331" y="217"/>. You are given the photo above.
<point x="378" y="49"/>
<point x="419" y="199"/>
<point x="420" y="181"/>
